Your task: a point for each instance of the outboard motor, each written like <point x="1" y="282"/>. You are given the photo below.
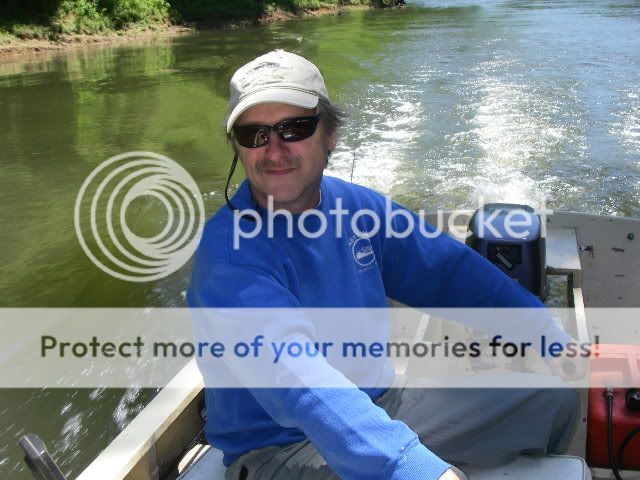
<point x="510" y="236"/>
<point x="38" y="459"/>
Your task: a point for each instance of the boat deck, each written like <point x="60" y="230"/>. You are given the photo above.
<point x="209" y="467"/>
<point x="598" y="255"/>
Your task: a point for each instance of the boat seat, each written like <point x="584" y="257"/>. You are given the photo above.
<point x="209" y="467"/>
<point x="558" y="467"/>
<point x="562" y="254"/>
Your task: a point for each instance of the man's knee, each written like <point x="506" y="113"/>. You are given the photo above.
<point x="566" y="405"/>
<point x="565" y="401"/>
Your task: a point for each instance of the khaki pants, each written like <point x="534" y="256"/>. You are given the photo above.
<point x="462" y="426"/>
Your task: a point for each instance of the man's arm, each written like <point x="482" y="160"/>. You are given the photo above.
<point x="440" y="272"/>
<point x="357" y="438"/>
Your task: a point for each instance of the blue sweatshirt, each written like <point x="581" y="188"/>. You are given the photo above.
<point x="357" y="438"/>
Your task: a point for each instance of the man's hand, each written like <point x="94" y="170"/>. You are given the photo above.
<point x="449" y="475"/>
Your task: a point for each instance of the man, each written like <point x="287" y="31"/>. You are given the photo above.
<point x="283" y="128"/>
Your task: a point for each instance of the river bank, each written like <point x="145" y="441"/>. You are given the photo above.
<point x="34" y="39"/>
<point x="17" y="48"/>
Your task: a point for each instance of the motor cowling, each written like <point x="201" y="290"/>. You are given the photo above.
<point x="510" y="236"/>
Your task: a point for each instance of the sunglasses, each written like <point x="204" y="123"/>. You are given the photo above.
<point x="288" y="130"/>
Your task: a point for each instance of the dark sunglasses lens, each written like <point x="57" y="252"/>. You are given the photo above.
<point x="251" y="136"/>
<point x="290" y="130"/>
<point x="296" y="129"/>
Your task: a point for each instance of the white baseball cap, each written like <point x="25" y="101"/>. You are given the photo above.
<point x="276" y="77"/>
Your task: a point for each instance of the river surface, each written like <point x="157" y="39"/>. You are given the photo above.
<point x="449" y="102"/>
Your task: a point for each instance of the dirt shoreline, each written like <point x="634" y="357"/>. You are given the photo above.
<point x="22" y="49"/>
<point x="28" y="48"/>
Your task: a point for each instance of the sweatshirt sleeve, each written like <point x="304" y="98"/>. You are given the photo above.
<point x="436" y="271"/>
<point x="356" y="437"/>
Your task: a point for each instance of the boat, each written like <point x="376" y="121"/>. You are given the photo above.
<point x="598" y="257"/>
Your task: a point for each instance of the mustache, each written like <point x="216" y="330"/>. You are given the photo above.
<point x="285" y="162"/>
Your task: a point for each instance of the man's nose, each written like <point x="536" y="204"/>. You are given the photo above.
<point x="276" y="148"/>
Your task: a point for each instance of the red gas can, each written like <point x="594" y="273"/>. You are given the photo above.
<point x="615" y="365"/>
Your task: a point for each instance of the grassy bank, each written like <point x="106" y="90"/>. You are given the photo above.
<point x="67" y="21"/>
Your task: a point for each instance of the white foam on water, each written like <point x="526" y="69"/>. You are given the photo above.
<point x="70" y="433"/>
<point x="514" y="125"/>
<point x="626" y="126"/>
<point x="376" y="140"/>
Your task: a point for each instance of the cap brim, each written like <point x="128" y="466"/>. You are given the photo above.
<point x="273" y="95"/>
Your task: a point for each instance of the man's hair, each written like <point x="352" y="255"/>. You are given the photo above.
<point x="332" y="116"/>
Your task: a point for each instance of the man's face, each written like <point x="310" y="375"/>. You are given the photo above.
<point x="289" y="171"/>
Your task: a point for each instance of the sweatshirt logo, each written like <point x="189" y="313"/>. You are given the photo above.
<point x="362" y="251"/>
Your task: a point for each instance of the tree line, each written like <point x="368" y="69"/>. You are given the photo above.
<point x="52" y="18"/>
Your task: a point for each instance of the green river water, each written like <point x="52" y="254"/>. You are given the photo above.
<point x="449" y="102"/>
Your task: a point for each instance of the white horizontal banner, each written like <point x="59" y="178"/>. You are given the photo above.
<point x="328" y="348"/>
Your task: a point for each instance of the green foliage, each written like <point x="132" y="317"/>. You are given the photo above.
<point x="28" y="32"/>
<point x="5" y="37"/>
<point x="127" y="12"/>
<point x="355" y="2"/>
<point x="51" y="18"/>
<point x="313" y="4"/>
<point x="215" y="11"/>
<point x="79" y="16"/>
